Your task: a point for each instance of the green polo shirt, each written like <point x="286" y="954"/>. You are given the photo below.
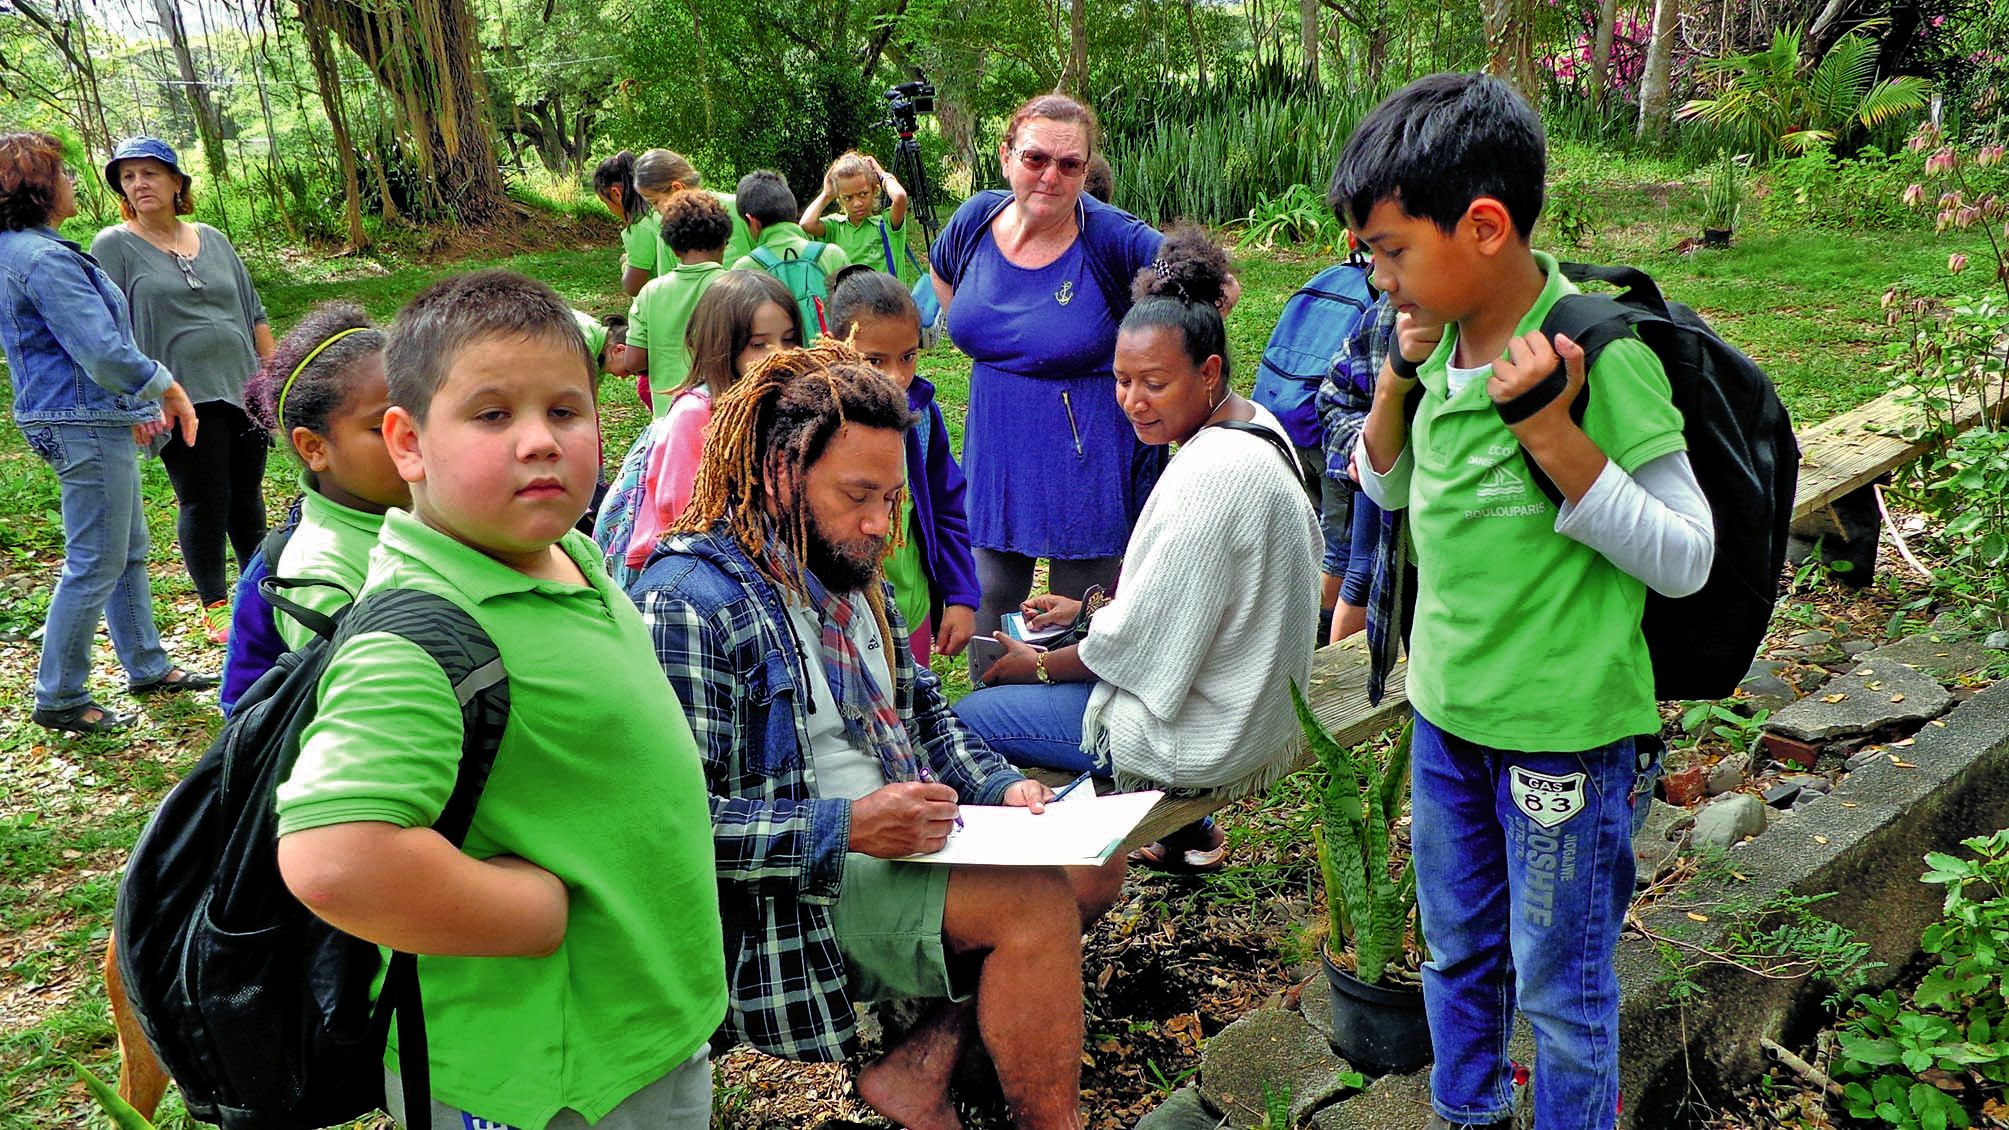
<point x="331" y="543"/>
<point x="595" y="332"/>
<point x="787" y="240"/>
<point x="862" y="243"/>
<point x="657" y="319"/>
<point x="740" y="242"/>
<point x="909" y="576"/>
<point x="642" y="244"/>
<point x="1526" y="639"/>
<point x="598" y="781"/>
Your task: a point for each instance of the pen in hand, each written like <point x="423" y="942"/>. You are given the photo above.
<point x="1070" y="787"/>
<point x="922" y="775"/>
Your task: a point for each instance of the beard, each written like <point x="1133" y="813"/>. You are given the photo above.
<point x="843" y="566"/>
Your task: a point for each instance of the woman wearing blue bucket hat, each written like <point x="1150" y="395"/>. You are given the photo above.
<point x="83" y="396"/>
<point x="195" y="311"/>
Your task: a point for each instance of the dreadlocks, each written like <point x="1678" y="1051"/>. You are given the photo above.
<point x="776" y="422"/>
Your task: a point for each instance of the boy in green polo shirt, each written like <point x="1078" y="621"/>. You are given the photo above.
<point x="695" y="229"/>
<point x="571" y="958"/>
<point x="771" y="213"/>
<point x="1528" y="672"/>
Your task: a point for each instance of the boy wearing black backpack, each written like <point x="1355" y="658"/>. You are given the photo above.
<point x="571" y="961"/>
<point x="782" y="249"/>
<point x="1529" y="673"/>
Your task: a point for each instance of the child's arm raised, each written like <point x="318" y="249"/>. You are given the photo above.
<point x="812" y="216"/>
<point x="896" y="194"/>
<point x="411" y="890"/>
<point x="1385" y="434"/>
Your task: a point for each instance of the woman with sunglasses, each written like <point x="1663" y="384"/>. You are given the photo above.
<point x="195" y="311"/>
<point x="84" y="396"/>
<point x="1034" y="280"/>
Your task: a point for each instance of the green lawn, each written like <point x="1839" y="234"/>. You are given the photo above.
<point x="1804" y="304"/>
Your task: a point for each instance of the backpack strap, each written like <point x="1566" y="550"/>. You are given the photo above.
<point x="274" y="588"/>
<point x="1637" y="287"/>
<point x="1274" y="440"/>
<point x="1594" y="321"/>
<point x="813" y="251"/>
<point x="765" y="258"/>
<point x="886" y="245"/>
<point x="473" y="667"/>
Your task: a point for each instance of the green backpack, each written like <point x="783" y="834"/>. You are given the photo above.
<point x="803" y="276"/>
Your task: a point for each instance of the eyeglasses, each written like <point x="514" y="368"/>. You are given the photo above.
<point x="188" y="275"/>
<point x="1036" y="161"/>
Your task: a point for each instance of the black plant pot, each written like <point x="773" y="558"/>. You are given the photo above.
<point x="1377" y="1028"/>
<point x="1716" y="237"/>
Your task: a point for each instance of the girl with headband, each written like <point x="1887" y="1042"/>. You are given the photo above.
<point x="323" y="393"/>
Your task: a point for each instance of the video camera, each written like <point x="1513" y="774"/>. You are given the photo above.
<point x="909" y="100"/>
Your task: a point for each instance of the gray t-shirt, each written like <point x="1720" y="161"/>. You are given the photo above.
<point x="203" y="335"/>
<point x="842" y="769"/>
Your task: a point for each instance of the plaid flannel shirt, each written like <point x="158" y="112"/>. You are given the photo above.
<point x="1344" y="398"/>
<point x="722" y="635"/>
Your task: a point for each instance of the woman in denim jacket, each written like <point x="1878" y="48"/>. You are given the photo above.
<point x="84" y="396"/>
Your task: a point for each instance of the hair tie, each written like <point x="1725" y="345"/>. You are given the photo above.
<point x="1161" y="268"/>
<point x="279" y="415"/>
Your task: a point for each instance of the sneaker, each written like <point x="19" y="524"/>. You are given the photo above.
<point x="216" y="621"/>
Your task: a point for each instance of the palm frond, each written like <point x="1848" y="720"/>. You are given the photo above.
<point x="1838" y="82"/>
<point x="1892" y="97"/>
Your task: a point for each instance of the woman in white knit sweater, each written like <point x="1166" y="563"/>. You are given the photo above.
<point x="1183" y="681"/>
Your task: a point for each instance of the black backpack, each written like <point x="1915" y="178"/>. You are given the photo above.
<point x="259" y="1010"/>
<point x="1745" y="457"/>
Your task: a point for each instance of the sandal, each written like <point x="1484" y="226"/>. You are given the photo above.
<point x="79" y="720"/>
<point x="175" y="681"/>
<point x="1197" y="849"/>
<point x="216" y="621"/>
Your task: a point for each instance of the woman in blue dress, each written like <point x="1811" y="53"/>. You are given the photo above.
<point x="1035" y="280"/>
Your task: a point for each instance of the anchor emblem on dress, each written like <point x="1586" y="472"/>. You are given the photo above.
<point x="1065" y="294"/>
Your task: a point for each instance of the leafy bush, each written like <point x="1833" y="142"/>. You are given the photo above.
<point x="1940" y="1055"/>
<point x="1298" y="215"/>
<point x="1778" y="104"/>
<point x="1815" y="190"/>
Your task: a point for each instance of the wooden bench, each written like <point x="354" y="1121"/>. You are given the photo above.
<point x="1838" y="457"/>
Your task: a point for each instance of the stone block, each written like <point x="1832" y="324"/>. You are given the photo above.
<point x="1272" y="1049"/>
<point x="1728" y="821"/>
<point x="1944" y="658"/>
<point x="1392" y="1102"/>
<point x="1875" y="694"/>
<point x="1729" y="774"/>
<point x="1181" y="1110"/>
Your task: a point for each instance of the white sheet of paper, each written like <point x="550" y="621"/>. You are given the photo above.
<point x="1080" y="831"/>
<point x="1015" y="626"/>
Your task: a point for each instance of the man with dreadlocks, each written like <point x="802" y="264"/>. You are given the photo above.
<point x="830" y="755"/>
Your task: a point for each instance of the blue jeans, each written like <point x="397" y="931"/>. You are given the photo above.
<point x="1524" y="870"/>
<point x="1030" y="724"/>
<point x="1358" y="576"/>
<point x="104" y="563"/>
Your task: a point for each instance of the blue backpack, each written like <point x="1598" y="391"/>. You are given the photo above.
<point x="255" y="644"/>
<point x="1316" y="321"/>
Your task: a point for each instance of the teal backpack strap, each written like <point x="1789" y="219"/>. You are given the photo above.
<point x="765" y="258"/>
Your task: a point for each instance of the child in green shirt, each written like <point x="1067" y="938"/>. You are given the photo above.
<point x="769" y="207"/>
<point x="880" y="240"/>
<point x="614" y="184"/>
<point x="695" y="230"/>
<point x="571" y="954"/>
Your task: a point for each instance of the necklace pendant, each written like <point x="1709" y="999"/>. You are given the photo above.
<point x="1065" y="294"/>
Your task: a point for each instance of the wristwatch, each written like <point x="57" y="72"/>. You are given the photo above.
<point x="1039" y="667"/>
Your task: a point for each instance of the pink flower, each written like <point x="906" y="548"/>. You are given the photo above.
<point x="1940" y="162"/>
<point x="1949" y="200"/>
<point x="1956" y="263"/>
<point x="1989" y="155"/>
<point x="1913" y="194"/>
<point x="1966" y="217"/>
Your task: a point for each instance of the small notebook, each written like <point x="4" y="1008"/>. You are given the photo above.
<point x="1080" y="831"/>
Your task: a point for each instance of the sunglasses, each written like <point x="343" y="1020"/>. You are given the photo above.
<point x="188" y="274"/>
<point x="1036" y="161"/>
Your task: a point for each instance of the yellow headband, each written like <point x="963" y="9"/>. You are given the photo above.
<point x="279" y="417"/>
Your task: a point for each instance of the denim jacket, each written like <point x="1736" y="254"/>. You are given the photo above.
<point x="69" y="337"/>
<point x="722" y="635"/>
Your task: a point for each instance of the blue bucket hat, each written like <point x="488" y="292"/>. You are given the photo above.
<point x="142" y="147"/>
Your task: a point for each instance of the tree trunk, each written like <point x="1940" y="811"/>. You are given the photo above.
<point x="1074" y="78"/>
<point x="67" y="34"/>
<point x="1199" y="49"/>
<point x="1511" y="46"/>
<point x="328" y="81"/>
<point x="1307" y="27"/>
<point x="1653" y="93"/>
<point x="425" y="54"/>
<point x="1600" y="51"/>
<point x="208" y="125"/>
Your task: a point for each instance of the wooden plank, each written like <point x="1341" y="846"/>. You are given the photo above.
<point x="1846" y="452"/>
